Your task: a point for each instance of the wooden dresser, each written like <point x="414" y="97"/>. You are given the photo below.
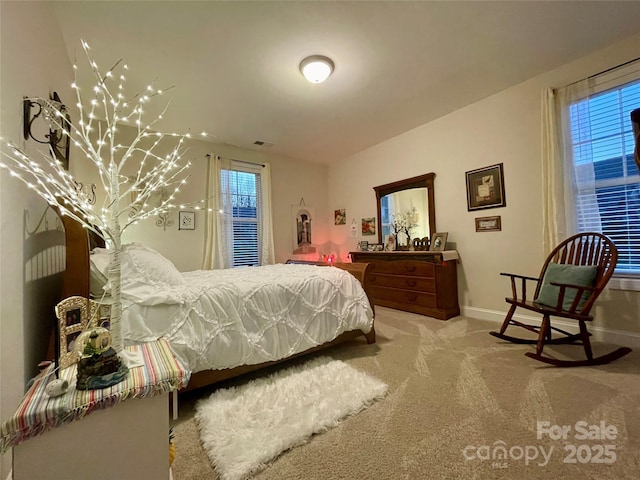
<point x="419" y="282"/>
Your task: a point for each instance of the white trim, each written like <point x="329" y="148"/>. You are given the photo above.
<point x="624" y="283"/>
<point x="600" y="334"/>
<point x="10" y="476"/>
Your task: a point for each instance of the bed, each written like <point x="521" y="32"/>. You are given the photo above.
<point x="284" y="310"/>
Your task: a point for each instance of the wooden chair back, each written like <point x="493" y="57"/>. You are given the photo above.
<point x="588" y="248"/>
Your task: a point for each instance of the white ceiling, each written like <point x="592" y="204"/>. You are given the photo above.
<point x="398" y="64"/>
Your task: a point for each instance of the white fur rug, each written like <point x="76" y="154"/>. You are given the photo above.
<point x="242" y="428"/>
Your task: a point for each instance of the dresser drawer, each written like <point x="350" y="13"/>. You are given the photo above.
<point x="404" y="267"/>
<point x="409" y="297"/>
<point x="404" y="282"/>
<point x="418" y="282"/>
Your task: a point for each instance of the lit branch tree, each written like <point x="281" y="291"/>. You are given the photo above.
<point x="404" y="222"/>
<point x="94" y="134"/>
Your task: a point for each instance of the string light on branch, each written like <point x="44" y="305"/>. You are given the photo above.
<point x="94" y="134"/>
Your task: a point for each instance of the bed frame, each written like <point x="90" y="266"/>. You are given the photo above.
<point x="80" y="242"/>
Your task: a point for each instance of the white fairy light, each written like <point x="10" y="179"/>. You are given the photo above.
<point x="96" y="140"/>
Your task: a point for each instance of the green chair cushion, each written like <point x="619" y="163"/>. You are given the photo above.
<point x="583" y="275"/>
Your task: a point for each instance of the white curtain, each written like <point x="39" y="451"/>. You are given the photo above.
<point x="218" y="219"/>
<point x="560" y="179"/>
<point x="267" y="253"/>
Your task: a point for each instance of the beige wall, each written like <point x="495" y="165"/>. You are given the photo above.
<point x="291" y="181"/>
<point x="504" y="128"/>
<point x="34" y="63"/>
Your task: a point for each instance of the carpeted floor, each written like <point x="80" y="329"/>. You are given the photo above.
<point x="456" y="394"/>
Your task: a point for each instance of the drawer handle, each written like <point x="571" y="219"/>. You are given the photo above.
<point x="412" y="297"/>
<point x="410" y="268"/>
<point x="411" y="283"/>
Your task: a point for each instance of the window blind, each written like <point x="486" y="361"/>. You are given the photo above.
<point x="243" y="200"/>
<point x="606" y="176"/>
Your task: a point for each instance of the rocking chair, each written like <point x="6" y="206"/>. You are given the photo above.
<point x="571" y="279"/>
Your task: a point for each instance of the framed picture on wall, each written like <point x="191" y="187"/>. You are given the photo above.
<point x="368" y="226"/>
<point x="488" y="224"/>
<point x="186" y="220"/>
<point x="485" y="188"/>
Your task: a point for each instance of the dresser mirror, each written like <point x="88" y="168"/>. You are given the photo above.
<point x="411" y="201"/>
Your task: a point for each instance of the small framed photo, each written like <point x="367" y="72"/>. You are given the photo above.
<point x="439" y="242"/>
<point x="73" y="315"/>
<point x="390" y="243"/>
<point x="364" y="246"/>
<point x="488" y="224"/>
<point x="186" y="220"/>
<point x="100" y="315"/>
<point x="340" y="217"/>
<point x="485" y="188"/>
<point x="369" y="226"/>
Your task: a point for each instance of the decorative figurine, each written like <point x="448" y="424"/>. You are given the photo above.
<point x="99" y="366"/>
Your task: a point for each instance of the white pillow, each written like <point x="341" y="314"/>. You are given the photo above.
<point x="97" y="281"/>
<point x="100" y="259"/>
<point x="98" y="272"/>
<point x="141" y="264"/>
<point x="147" y="277"/>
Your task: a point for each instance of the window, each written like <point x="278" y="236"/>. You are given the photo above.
<point x="242" y="198"/>
<point x="238" y="229"/>
<point x="607" y="190"/>
<point x="386" y="206"/>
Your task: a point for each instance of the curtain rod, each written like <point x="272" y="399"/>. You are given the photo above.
<point x="236" y="160"/>
<point x="603" y="72"/>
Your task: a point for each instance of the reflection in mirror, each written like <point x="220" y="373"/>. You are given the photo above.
<point x="405" y="214"/>
<point x="406" y="208"/>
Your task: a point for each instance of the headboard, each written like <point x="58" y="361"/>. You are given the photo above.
<point x="42" y="277"/>
<point x="80" y="242"/>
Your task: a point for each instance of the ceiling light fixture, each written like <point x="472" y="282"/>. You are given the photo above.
<point x="316" y="68"/>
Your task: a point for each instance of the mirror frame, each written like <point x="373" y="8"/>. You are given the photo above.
<point x="407" y="184"/>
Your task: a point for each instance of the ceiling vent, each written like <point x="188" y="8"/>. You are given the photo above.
<point x="260" y="143"/>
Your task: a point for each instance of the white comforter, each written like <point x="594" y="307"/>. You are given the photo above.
<point x="224" y="318"/>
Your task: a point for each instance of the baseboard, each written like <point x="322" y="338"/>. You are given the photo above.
<point x="600" y="334"/>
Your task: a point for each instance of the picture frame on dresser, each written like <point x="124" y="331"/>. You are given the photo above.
<point x="390" y="243"/>
<point x="439" y="242"/>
